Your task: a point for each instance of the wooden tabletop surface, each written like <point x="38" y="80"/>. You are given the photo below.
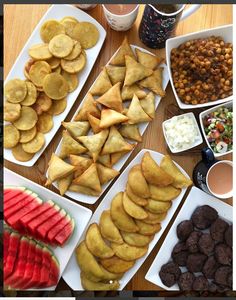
<point x="19" y="22"/>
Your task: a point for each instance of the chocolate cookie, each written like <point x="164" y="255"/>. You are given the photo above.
<point x="218" y="229"/>
<point x="169" y="273"/>
<point x="229" y="236"/>
<point x="210" y="267"/>
<point x="206" y="244"/>
<point x="184" y="229"/>
<point x="223" y="275"/>
<point x="192" y="241"/>
<point x="185" y="281"/>
<point x="223" y="254"/>
<point x="195" y="262"/>
<point x="200" y="283"/>
<point x="180" y="254"/>
<point x="204" y="216"/>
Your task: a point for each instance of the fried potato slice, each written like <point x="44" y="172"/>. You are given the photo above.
<point x="135" y="71"/>
<point x="125" y="49"/>
<point x="69" y="24"/>
<point x="98" y="286"/>
<point x="81" y="164"/>
<point x="27" y="67"/>
<point x="49" y="29"/>
<point x="58" y="106"/>
<point x="128" y="92"/>
<point x="136" y="239"/>
<point x="154" y="82"/>
<point x="102" y="84"/>
<point x="136" y="199"/>
<point x="116" y="74"/>
<point x="111" y="117"/>
<point x="70" y="146"/>
<point x="115" y="143"/>
<point x="76" y="129"/>
<point x="105" y="160"/>
<point x="108" y="229"/>
<point x="15" y="90"/>
<point x="153" y="173"/>
<point x="112" y="98"/>
<point x="132" y="209"/>
<point x="147" y="229"/>
<point x="57" y="168"/>
<point x="75" y="65"/>
<point x="116" y="265"/>
<point x="94" y="142"/>
<point x="55" y="86"/>
<point x="94" y="123"/>
<point x="166" y="193"/>
<point x="76" y="51"/>
<point x="72" y="80"/>
<point x="130" y="131"/>
<point x="28" y="119"/>
<point x="11" y="111"/>
<point x="36" y="144"/>
<point x="148" y="105"/>
<point x="135" y="112"/>
<point x="20" y="154"/>
<point x="137" y="182"/>
<point x="89" y="107"/>
<point x="38" y="72"/>
<point x="40" y="52"/>
<point x="89" y="179"/>
<point x="53" y="62"/>
<point x="154" y="218"/>
<point x="31" y="94"/>
<point x="148" y="60"/>
<point x="42" y="104"/>
<point x="45" y="122"/>
<point x="11" y="136"/>
<point x="27" y="135"/>
<point x="64" y="183"/>
<point x="119" y="216"/>
<point x="96" y="244"/>
<point x="57" y="69"/>
<point x="61" y="45"/>
<point x="86" y="33"/>
<point x="105" y="174"/>
<point x="180" y="180"/>
<point x="127" y="252"/>
<point x="158" y="207"/>
<point x="83" y="190"/>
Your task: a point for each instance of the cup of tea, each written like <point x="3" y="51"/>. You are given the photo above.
<point x="159" y="22"/>
<point x="120" y="17"/>
<point x="213" y="176"/>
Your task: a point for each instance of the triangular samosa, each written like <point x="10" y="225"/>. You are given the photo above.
<point x="94" y="123"/>
<point x="64" y="183"/>
<point x="154" y="82"/>
<point x="130" y="131"/>
<point x="77" y="128"/>
<point x="111" y="117"/>
<point x="89" y="106"/>
<point x="105" y="160"/>
<point x="128" y="92"/>
<point x="148" y="60"/>
<point x="102" y="84"/>
<point x="81" y="164"/>
<point x="89" y="179"/>
<point x="106" y="174"/>
<point x="116" y="74"/>
<point x="115" y="157"/>
<point x="135" y="113"/>
<point x="112" y="98"/>
<point x="125" y="49"/>
<point x="148" y="104"/>
<point x="83" y="190"/>
<point x="70" y="146"/>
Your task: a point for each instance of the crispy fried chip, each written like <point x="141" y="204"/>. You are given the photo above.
<point x="45" y="122"/>
<point x="11" y="136"/>
<point x="70" y="146"/>
<point x="158" y="207"/>
<point x="116" y="74"/>
<point x="42" y="104"/>
<point x="90" y="285"/>
<point x="89" y="179"/>
<point x="148" y="105"/>
<point x="86" y="33"/>
<point x="40" y="52"/>
<point x="136" y="239"/>
<point x="49" y="29"/>
<point x="136" y="199"/>
<point x="131" y="131"/>
<point x="125" y="49"/>
<point x="127" y="252"/>
<point x="137" y="182"/>
<point x="147" y="229"/>
<point x="165" y="193"/>
<point x="148" y="60"/>
<point x="75" y="65"/>
<point x="11" y="111"/>
<point x="135" y="113"/>
<point x="58" y="106"/>
<point x="64" y="183"/>
<point x="31" y="94"/>
<point x="57" y="70"/>
<point x="112" y="98"/>
<point x="111" y="117"/>
<point x="27" y="135"/>
<point x="72" y="80"/>
<point x="35" y="144"/>
<point x="108" y="229"/>
<point x="54" y="62"/>
<point x="105" y="174"/>
<point x="76" y="129"/>
<point x="20" y="154"/>
<point x="116" y="265"/>
<point x="27" y="120"/>
<point x="154" y="82"/>
<point x="76" y="51"/>
<point x="15" y="90"/>
<point x="69" y="24"/>
<point x="55" y="86"/>
<point x="89" y="106"/>
<point x="61" y="45"/>
<point x="102" y="84"/>
<point x="38" y="71"/>
<point x="128" y="92"/>
<point x="132" y="209"/>
<point x="27" y="67"/>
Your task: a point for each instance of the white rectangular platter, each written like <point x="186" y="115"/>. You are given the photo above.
<point x="142" y="127"/>
<point x="195" y="198"/>
<point x="72" y="272"/>
<point x="80" y="214"/>
<point x="56" y="12"/>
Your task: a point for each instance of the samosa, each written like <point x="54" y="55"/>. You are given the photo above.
<point x="128" y="92"/>
<point x="81" y="164"/>
<point x="148" y="60"/>
<point x="76" y="128"/>
<point x="154" y="82"/>
<point x="148" y="104"/>
<point x="102" y="84"/>
<point x="116" y="74"/>
<point x="111" y="117"/>
<point x="64" y="183"/>
<point x="135" y="112"/>
<point x="70" y="146"/>
<point x="88" y="106"/>
<point x="94" y="123"/>
<point x="106" y="174"/>
<point x="125" y="49"/>
<point x="130" y="131"/>
<point x="112" y="98"/>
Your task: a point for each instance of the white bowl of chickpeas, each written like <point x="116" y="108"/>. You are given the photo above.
<point x="200" y="67"/>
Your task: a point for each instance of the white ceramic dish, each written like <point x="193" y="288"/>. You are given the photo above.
<point x="80" y="214"/>
<point x="224" y="31"/>
<point x="195" y="198"/>
<point x="201" y="117"/>
<point x="142" y="127"/>
<point x="17" y="71"/>
<point x="72" y="272"/>
<point x="198" y="140"/>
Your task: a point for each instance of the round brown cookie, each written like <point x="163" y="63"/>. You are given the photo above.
<point x="218" y="229"/>
<point x="185" y="281"/>
<point x="184" y="229"/>
<point x="206" y="244"/>
<point x="192" y="241"/>
<point x="223" y="254"/>
<point x="210" y="267"/>
<point x="204" y="216"/>
<point x="223" y="275"/>
<point x="195" y="262"/>
<point x="180" y="254"/>
<point x="229" y="236"/>
<point x="169" y="273"/>
<point x="200" y="283"/>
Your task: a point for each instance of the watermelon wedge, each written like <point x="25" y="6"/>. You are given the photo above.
<point x="6" y="240"/>
<point x="46" y="264"/>
<point x="12" y="254"/>
<point x="62" y="237"/>
<point x="15" y="200"/>
<point x="54" y="272"/>
<point x="35" y="279"/>
<point x="11" y="192"/>
<point x="56" y="229"/>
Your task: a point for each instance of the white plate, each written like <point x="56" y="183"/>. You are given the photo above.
<point x="195" y="198"/>
<point x="72" y="272"/>
<point x="56" y="12"/>
<point x="142" y="127"/>
<point x="226" y="32"/>
<point x="80" y="214"/>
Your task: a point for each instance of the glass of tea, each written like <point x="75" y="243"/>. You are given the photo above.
<point x="159" y="22"/>
<point x="120" y="17"/>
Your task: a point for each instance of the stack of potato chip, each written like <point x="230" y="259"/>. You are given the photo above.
<point x="113" y="109"/>
<point x="124" y="232"/>
<point x="52" y="73"/>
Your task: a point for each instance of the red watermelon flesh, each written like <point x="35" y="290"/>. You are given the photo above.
<point x="11" y="192"/>
<point x="55" y="230"/>
<point x="12" y="253"/>
<point x="10" y="211"/>
<point x="6" y="240"/>
<point x="64" y="234"/>
<point x="15" y="200"/>
<point x="35" y="279"/>
<point x="44" y="228"/>
<point x="14" y="220"/>
<point x="46" y="263"/>
<point x="54" y="272"/>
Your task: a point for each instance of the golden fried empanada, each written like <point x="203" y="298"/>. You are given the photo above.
<point x="137" y="182"/>
<point x="108" y="229"/>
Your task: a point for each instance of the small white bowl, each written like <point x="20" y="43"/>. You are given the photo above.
<point x="201" y="117"/>
<point x="226" y="32"/>
<point x="198" y="141"/>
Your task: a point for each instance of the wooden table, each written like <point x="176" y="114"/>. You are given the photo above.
<point x="19" y="22"/>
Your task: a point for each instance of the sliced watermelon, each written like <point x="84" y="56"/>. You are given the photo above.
<point x="45" y="227"/>
<point x="10" y="192"/>
<point x="55" y="230"/>
<point x="12" y="254"/>
<point x="35" y="279"/>
<point x="46" y="264"/>
<point x="54" y="272"/>
<point x="15" y="200"/>
<point x="62" y="237"/>
<point x="6" y="240"/>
